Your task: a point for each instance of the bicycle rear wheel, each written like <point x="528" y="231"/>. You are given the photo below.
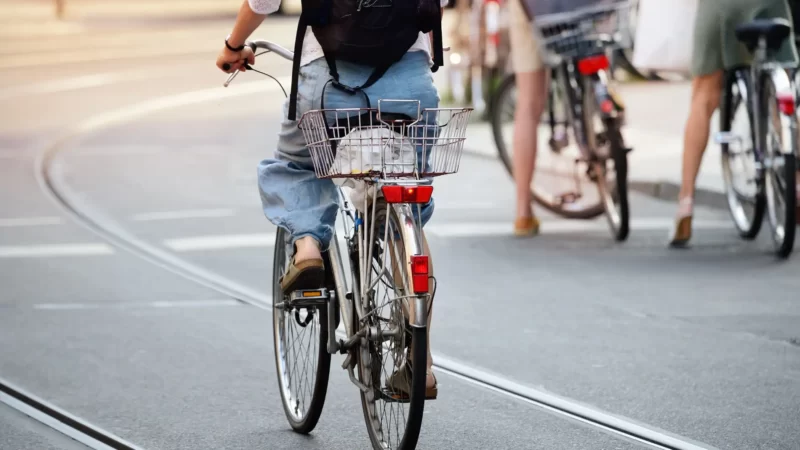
<point x="746" y="202"/>
<point x="780" y="170"/>
<point x="302" y="361"/>
<point x="396" y="353"/>
<point x="558" y="180"/>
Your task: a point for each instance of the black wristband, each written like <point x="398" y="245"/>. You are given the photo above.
<point x="234" y="49"/>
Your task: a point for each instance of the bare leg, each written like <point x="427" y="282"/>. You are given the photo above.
<point x="531" y="98"/>
<point x="706" y="92"/>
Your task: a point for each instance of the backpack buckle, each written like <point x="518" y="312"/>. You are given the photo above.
<point x="340" y="86"/>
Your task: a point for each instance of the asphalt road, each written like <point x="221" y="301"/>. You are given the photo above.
<point x="702" y="343"/>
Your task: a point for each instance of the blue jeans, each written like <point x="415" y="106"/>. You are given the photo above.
<point x="291" y="195"/>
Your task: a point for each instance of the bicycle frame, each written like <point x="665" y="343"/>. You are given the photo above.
<point x="751" y="92"/>
<point x="577" y="77"/>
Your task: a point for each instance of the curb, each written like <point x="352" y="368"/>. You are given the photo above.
<point x="667" y="190"/>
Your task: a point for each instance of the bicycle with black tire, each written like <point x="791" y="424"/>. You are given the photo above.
<point x="379" y="283"/>
<point x="583" y="108"/>
<point x="758" y="138"/>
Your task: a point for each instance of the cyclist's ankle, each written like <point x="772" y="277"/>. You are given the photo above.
<point x="306" y="248"/>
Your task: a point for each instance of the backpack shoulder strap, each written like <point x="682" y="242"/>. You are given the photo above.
<point x="438" y="45"/>
<point x="302" y="25"/>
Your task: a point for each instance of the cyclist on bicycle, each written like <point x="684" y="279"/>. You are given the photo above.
<point x="715" y="49"/>
<point x="292" y="196"/>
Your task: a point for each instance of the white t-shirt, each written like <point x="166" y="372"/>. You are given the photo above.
<point x="311" y="48"/>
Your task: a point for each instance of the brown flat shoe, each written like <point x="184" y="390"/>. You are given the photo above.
<point x="305" y="275"/>
<point x="682" y="232"/>
<point x="526" y="226"/>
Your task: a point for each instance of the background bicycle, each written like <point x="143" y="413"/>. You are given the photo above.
<point x="581" y="167"/>
<point x="758" y="135"/>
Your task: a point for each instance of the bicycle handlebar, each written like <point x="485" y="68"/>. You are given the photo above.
<point x="268" y="46"/>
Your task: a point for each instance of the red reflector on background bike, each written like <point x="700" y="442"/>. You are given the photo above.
<point x="786" y="103"/>
<point x="592" y="64"/>
<point x="419" y="273"/>
<point x="407" y="194"/>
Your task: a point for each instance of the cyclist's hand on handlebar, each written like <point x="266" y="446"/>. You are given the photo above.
<point x="229" y="61"/>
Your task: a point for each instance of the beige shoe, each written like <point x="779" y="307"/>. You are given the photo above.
<point x="526" y="226"/>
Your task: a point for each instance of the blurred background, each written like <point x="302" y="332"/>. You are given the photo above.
<point x="130" y="216"/>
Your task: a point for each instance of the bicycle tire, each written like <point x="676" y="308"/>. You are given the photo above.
<point x="747" y="225"/>
<point x="306" y="420"/>
<point x="367" y="368"/>
<point x="617" y="199"/>
<point x="783" y="231"/>
<point x="503" y="94"/>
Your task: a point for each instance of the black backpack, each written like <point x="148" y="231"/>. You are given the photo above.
<point x="374" y="33"/>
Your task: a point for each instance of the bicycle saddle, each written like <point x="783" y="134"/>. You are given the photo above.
<point x="774" y="30"/>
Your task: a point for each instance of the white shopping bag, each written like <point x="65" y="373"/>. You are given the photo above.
<point x="367" y="149"/>
<point x="664" y="35"/>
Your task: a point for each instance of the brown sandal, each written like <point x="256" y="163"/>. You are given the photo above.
<point x="682" y="232"/>
<point x="398" y="383"/>
<point x="305" y="275"/>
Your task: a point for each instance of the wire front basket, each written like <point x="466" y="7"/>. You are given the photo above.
<point x="587" y="30"/>
<point x="365" y="143"/>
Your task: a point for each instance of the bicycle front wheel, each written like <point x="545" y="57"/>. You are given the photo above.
<point x="780" y="169"/>
<point x="393" y="363"/>
<point x="302" y="360"/>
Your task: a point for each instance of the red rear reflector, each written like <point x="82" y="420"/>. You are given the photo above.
<point x="606" y="106"/>
<point x="419" y="273"/>
<point x="786" y="103"/>
<point x="407" y="194"/>
<point x="592" y="64"/>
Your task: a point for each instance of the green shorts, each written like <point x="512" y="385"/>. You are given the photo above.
<point x="715" y="45"/>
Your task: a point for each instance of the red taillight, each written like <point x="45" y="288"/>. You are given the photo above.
<point x="419" y="274"/>
<point x="606" y="106"/>
<point x="786" y="103"/>
<point x="407" y="194"/>
<point x="592" y="64"/>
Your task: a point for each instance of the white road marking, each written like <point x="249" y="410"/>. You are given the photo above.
<point x="49" y="251"/>
<point x="29" y="221"/>
<point x="73" y="84"/>
<point x="221" y="242"/>
<point x="161" y="304"/>
<point x="183" y="99"/>
<point x="476" y="229"/>
<point x="184" y="214"/>
<point x="456" y="206"/>
<point x="11" y="154"/>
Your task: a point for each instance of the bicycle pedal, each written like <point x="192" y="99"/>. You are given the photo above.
<point x="309" y="298"/>
<point x="390" y="396"/>
<point x="726" y="137"/>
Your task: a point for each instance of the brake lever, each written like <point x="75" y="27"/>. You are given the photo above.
<point x="227" y="66"/>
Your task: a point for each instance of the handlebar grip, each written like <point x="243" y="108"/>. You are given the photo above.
<point x="252" y="46"/>
<point x="226" y="66"/>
